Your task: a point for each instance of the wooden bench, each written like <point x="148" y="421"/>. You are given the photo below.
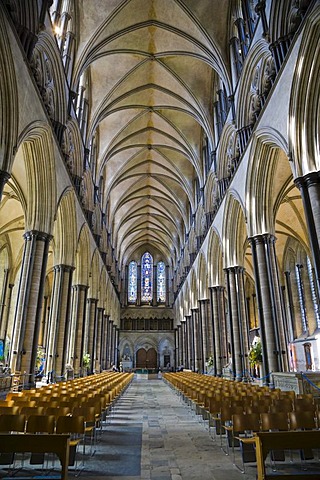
<point x="267" y="441"/>
<point x="42" y="443"/>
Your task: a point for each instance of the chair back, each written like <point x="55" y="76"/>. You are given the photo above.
<point x="41" y="424"/>
<point x="12" y="423"/>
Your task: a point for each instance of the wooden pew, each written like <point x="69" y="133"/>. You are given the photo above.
<point x="292" y="440"/>
<point x="44" y="443"/>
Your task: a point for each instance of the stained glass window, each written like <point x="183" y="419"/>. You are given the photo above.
<point x="161" y="282"/>
<point x="132" y="282"/>
<point x="146" y="277"/>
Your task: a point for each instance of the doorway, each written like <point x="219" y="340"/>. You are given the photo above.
<point x="146" y="358"/>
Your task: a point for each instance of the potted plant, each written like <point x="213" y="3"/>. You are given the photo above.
<point x="255" y="355"/>
<point x="86" y="360"/>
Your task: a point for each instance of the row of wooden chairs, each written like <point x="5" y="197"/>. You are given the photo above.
<point x="75" y="407"/>
<point x="236" y="412"/>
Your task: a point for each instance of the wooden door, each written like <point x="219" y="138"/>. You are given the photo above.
<point x="141" y="357"/>
<point x="152" y="358"/>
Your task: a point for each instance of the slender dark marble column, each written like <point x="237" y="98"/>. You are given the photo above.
<point x="91" y="321"/>
<point x="98" y="340"/>
<point x="154" y="286"/>
<point x="269" y="307"/>
<point x="206" y="329"/>
<point x="29" y="302"/>
<point x="60" y="316"/>
<point x="236" y="319"/>
<point x="196" y="339"/>
<point x="104" y="351"/>
<point x="111" y="356"/>
<point x="167" y="287"/>
<point x="184" y="343"/>
<point x="220" y="350"/>
<point x="309" y="187"/>
<point x="138" y="285"/>
<point x="78" y="323"/>
<point x="190" y="348"/>
<point x="180" y="345"/>
<point x="4" y="177"/>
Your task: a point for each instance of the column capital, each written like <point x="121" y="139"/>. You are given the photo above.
<point x="195" y="310"/>
<point x="4" y="177"/>
<point x="265" y="238"/>
<point x="92" y="300"/>
<point x="203" y="301"/>
<point x="235" y="269"/>
<point x="42" y="236"/>
<point x="80" y="287"/>
<point x="312" y="178"/>
<point x="217" y="288"/>
<point x="63" y="268"/>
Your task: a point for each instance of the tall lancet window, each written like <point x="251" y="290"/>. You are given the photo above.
<point x="146" y="277"/>
<point x="132" y="282"/>
<point x="161" y="282"/>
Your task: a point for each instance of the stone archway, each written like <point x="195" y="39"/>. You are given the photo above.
<point x="146" y="358"/>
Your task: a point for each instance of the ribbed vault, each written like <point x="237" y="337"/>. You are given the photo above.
<point x="151" y="66"/>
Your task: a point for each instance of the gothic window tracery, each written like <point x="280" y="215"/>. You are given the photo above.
<point x="132" y="287"/>
<point x="146" y="277"/>
<point x="161" y="282"/>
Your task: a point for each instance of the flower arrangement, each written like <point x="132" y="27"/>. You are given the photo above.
<point x="210" y="361"/>
<point x="255" y="352"/>
<point x="86" y="360"/>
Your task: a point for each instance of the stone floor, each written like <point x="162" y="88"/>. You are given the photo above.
<point x="153" y="436"/>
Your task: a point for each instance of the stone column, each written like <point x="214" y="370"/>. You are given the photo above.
<point x="29" y="301"/>
<point x="154" y="286"/>
<point x="220" y="337"/>
<point x="184" y="343"/>
<point x="180" y="346"/>
<point x="196" y="339"/>
<point x="138" y="285"/>
<point x="98" y="341"/>
<point x="167" y="287"/>
<point x="104" y="346"/>
<point x="3" y="295"/>
<point x="91" y="329"/>
<point x="110" y="334"/>
<point x="4" y="177"/>
<point x="206" y="328"/>
<point x="78" y="322"/>
<point x="176" y="348"/>
<point x="42" y="330"/>
<point x="269" y="306"/>
<point x="114" y="345"/>
<point x="125" y="289"/>
<point x="309" y="187"/>
<point x="189" y="352"/>
<point x="6" y="310"/>
<point x="237" y="319"/>
<point x="60" y="317"/>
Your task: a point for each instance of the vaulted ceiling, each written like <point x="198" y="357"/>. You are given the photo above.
<point x="152" y="64"/>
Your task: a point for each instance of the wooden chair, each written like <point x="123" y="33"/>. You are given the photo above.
<point x="14" y="410"/>
<point x="75" y="427"/>
<point x="275" y="422"/>
<point x="40" y="424"/>
<point x="58" y="411"/>
<point x="32" y="411"/>
<point x="11" y="423"/>
<point x="242" y="429"/>
<point x="89" y="414"/>
<point x="303" y="421"/>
